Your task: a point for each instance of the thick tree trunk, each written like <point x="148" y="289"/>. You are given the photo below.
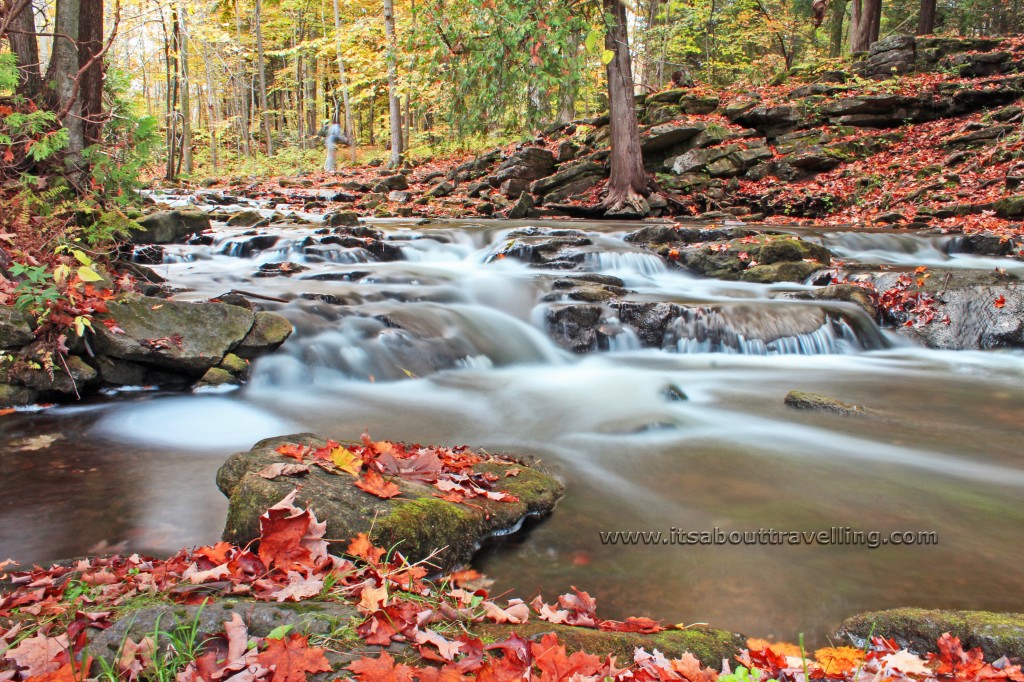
<point x="261" y="67"/>
<point x="393" y="101"/>
<point x="61" y="73"/>
<point x="926" y="18"/>
<point x="629" y="183"/>
<point x="865" y="24"/>
<point x="26" y="49"/>
<point x="838" y="11"/>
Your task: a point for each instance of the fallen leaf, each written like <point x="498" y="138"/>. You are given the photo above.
<point x="290" y="659"/>
<point x="374" y="483"/>
<point x="383" y="669"/>
<point x="283" y="469"/>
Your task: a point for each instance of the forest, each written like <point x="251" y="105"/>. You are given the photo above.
<point x="382" y="340"/>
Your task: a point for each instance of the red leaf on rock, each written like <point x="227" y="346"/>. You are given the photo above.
<point x="374" y="483"/>
<point x="291" y="538"/>
<point x="292" y="450"/>
<point x="632" y="624"/>
<point x="1000" y="301"/>
<point x="292" y="658"/>
<point x="383" y="669"/>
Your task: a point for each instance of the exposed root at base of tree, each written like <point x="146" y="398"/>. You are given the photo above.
<point x="627" y="199"/>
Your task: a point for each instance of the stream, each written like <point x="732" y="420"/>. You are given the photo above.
<point x="470" y="362"/>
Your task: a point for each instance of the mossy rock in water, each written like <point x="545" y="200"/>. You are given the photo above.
<point x="998" y="634"/>
<point x="803" y="400"/>
<point x="777" y="258"/>
<point x="417" y="523"/>
<point x="710" y="646"/>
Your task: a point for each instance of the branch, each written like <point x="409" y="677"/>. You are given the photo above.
<point x="10" y="13"/>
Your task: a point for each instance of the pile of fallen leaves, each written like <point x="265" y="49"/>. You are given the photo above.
<point x="450" y="470"/>
<point x="46" y="619"/>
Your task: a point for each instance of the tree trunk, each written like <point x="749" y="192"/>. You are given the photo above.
<point x="343" y="81"/>
<point x="243" y="90"/>
<point x="926" y="18"/>
<point x="836" y="30"/>
<point x="186" y="105"/>
<point x="629" y="182"/>
<point x="261" y="67"/>
<point x="393" y="101"/>
<point x="61" y="72"/>
<point x="26" y="48"/>
<point x="865" y="24"/>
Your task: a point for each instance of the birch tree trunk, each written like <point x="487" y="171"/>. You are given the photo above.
<point x="393" y="101"/>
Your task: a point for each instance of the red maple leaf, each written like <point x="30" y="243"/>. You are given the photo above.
<point x="383" y="669"/>
<point x="290" y="538"/>
<point x="953" y="660"/>
<point x="292" y="450"/>
<point x="292" y="658"/>
<point x="1000" y="301"/>
<point x="373" y="483"/>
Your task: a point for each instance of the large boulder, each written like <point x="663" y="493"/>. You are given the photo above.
<point x="518" y="172"/>
<point x="998" y="634"/>
<point x="268" y="332"/>
<point x="418" y="524"/>
<point x="170" y="227"/>
<point x="187" y="338"/>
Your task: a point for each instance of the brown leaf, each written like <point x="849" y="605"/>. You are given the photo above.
<point x="383" y="669"/>
<point x="37" y="654"/>
<point x="283" y="469"/>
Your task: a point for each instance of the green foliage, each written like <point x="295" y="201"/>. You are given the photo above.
<point x="37" y="292"/>
<point x="8" y="71"/>
<point x="741" y="674"/>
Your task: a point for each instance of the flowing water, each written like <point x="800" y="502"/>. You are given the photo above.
<point x="450" y="346"/>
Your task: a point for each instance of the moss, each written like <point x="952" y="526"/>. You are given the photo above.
<point x="708" y="645"/>
<point x="418" y="527"/>
<point x="998" y="634"/>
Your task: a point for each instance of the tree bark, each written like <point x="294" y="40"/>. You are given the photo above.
<point x="261" y="67"/>
<point x="629" y="182"/>
<point x="25" y="47"/>
<point x="186" y="104"/>
<point x="343" y="80"/>
<point x="393" y="101"/>
<point x="865" y="24"/>
<point x="90" y="44"/>
<point x="61" y="72"/>
<point x="926" y="18"/>
<point x="243" y="89"/>
<point x="836" y="29"/>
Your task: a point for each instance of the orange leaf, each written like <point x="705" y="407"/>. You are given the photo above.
<point x="373" y="483"/>
<point x="292" y="658"/>
<point x="381" y="669"/>
<point x="292" y="450"/>
<point x="1000" y="301"/>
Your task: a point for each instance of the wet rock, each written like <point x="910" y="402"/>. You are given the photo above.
<point x="68" y="377"/>
<point x="521" y="208"/>
<point x="282" y="269"/>
<point x="250" y="246"/>
<point x="985" y="311"/>
<point x="15" y="328"/>
<point x="169" y="227"/>
<point x="816" y="402"/>
<point x="149" y="254"/>
<point x="268" y="332"/>
<point x="216" y="376"/>
<point x="370" y="240"/>
<point x="188" y="338"/>
<point x="847" y="293"/>
<point x="576" y="327"/>
<point x="417" y="524"/>
<point x="777" y="258"/>
<point x="246" y="218"/>
<point x="998" y="634"/>
<point x="559" y="249"/>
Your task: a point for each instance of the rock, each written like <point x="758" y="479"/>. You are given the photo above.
<point x="998" y="634"/>
<point x="567" y="176"/>
<point x="280" y="269"/>
<point x="16" y="396"/>
<point x="207" y="620"/>
<point x="216" y="377"/>
<point x="116" y="372"/>
<point x="771" y="121"/>
<point x="666" y="96"/>
<point x="893" y="55"/>
<point x="15" y="328"/>
<point x="522" y="168"/>
<point x="440" y="190"/>
<point x="234" y="364"/>
<point x="1010" y="207"/>
<point x="697" y="104"/>
<point x="802" y="400"/>
<point x="268" y="332"/>
<point x="392" y="182"/>
<point x="982" y="136"/>
<point x="400" y="197"/>
<point x="779" y="259"/>
<point x="169" y="227"/>
<point x="522" y="206"/>
<point x="417" y="524"/>
<point x="246" y="218"/>
<point x="188" y="338"/>
<point x="341" y="218"/>
<point x="68" y="378"/>
<point x="847" y="293"/>
<point x="558" y="249"/>
<point x="567" y="150"/>
<point x="708" y="645"/>
<point x="669" y="135"/>
<point x="369" y="240"/>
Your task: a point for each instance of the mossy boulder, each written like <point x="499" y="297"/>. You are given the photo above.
<point x="998" y="634"/>
<point x="710" y="646"/>
<point x="14" y="396"/>
<point x="268" y="332"/>
<point x="188" y="338"/>
<point x="418" y="523"/>
<point x="816" y="402"/>
<point x="169" y="227"/>
<point x="15" y="328"/>
<point x="246" y="218"/>
<point x="765" y="258"/>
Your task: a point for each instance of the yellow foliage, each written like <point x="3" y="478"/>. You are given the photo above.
<point x="839" y="660"/>
<point x="781" y="648"/>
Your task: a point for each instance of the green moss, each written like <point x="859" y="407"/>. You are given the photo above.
<point x="998" y="634"/>
<point x="418" y="527"/>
